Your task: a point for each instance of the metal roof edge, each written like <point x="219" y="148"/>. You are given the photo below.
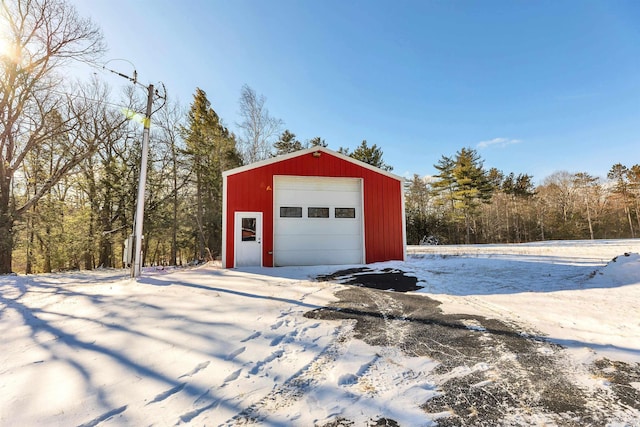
<point x="303" y="152"/>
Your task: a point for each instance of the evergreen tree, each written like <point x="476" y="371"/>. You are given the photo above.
<point x="517" y="189"/>
<point x="212" y="150"/>
<point x="495" y="177"/>
<point x="464" y="183"/>
<point x="173" y="160"/>
<point x="371" y="155"/>
<point x="472" y="186"/>
<point x="620" y="174"/>
<point x="316" y="142"/>
<point x="444" y="187"/>
<point x="287" y="143"/>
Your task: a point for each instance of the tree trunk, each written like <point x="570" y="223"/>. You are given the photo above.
<point x="89" y="262"/>
<point x="6" y="242"/>
<point x="638" y="213"/>
<point x="46" y="249"/>
<point x="467" y="224"/>
<point x="628" y="212"/>
<point x="29" y="265"/>
<point x="6" y="227"/>
<point x="199" y="215"/>
<point x="589" y="220"/>
<point x="105" y="259"/>
<point x="506" y="218"/>
<point x="541" y="220"/>
<point x="174" y="224"/>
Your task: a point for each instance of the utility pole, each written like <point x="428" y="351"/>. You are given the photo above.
<point x="136" y="267"/>
<point x="136" y="251"/>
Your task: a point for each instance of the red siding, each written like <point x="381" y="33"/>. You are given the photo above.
<point x="252" y="190"/>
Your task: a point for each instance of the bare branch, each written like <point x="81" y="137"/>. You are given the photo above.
<point x="258" y="127"/>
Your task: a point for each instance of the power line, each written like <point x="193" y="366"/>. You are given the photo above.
<point x="97" y="101"/>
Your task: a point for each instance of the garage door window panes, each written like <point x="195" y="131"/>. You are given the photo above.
<point x="290" y="212"/>
<point x="318" y="213"/>
<point x="345" y="213"/>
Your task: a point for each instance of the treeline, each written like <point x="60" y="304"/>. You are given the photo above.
<point x="70" y="160"/>
<point x="466" y="203"/>
<point x="70" y="153"/>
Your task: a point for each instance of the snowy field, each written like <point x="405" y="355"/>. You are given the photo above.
<point x="560" y="288"/>
<point x="207" y="346"/>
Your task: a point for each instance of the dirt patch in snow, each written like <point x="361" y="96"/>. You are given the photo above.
<point x="490" y="372"/>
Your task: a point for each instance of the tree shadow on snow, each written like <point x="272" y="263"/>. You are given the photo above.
<point x="59" y="332"/>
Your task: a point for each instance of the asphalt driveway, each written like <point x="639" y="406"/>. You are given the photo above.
<point x="490" y="372"/>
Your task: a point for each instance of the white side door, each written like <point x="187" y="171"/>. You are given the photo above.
<point x="248" y="239"/>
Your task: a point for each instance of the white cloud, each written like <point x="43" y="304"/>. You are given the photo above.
<point x="498" y="142"/>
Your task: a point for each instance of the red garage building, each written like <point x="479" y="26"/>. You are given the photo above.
<point x="311" y="207"/>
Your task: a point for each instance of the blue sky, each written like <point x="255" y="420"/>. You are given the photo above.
<point x="535" y="86"/>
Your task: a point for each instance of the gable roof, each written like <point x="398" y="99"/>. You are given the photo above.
<point x="305" y="152"/>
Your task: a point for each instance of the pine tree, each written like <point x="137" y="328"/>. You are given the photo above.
<point x="464" y="184"/>
<point x="212" y="150"/>
<point x="472" y="185"/>
<point x="444" y="187"/>
<point x="371" y="155"/>
<point x="287" y="143"/>
<point x="172" y="159"/>
<point x="620" y="174"/>
<point x="316" y="142"/>
<point x="517" y="189"/>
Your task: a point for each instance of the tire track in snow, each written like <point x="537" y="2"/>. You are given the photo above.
<point x="395" y="328"/>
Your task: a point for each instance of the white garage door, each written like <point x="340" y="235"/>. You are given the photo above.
<point x="317" y="221"/>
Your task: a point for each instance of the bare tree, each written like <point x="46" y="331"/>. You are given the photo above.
<point x="587" y="185"/>
<point x="43" y="36"/>
<point x="258" y="126"/>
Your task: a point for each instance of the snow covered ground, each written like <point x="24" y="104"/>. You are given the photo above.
<point x="208" y="346"/>
<point x="560" y="288"/>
